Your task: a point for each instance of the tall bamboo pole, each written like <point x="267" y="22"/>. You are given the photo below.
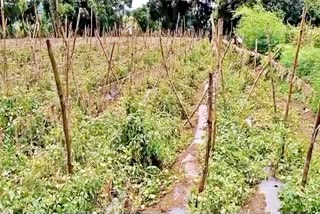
<point x="91" y="23"/>
<point x="210" y="134"/>
<point x="4" y="37"/>
<point x="257" y="79"/>
<point x="295" y="64"/>
<point x="212" y="116"/>
<point x="65" y="119"/>
<point x="271" y="75"/>
<point x="172" y="83"/>
<point x="310" y="149"/>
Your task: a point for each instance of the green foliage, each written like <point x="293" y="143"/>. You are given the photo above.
<point x="21" y="121"/>
<point x="308" y="60"/>
<point x="264" y="23"/>
<point x="296" y="201"/>
<point x="65" y="10"/>
<point x="308" y="68"/>
<point x="141" y="15"/>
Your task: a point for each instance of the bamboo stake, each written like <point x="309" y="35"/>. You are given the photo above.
<point x="172" y="84"/>
<point x="295" y="64"/>
<point x="212" y="101"/>
<point x="67" y="63"/>
<point x="197" y="106"/>
<point x="109" y="60"/>
<point x="65" y="119"/>
<point x="219" y="58"/>
<point x="310" y="149"/>
<point x="80" y="97"/>
<point x="4" y="37"/>
<point x="132" y="63"/>
<point x="91" y="22"/>
<point x="257" y="79"/>
<point x="211" y="132"/>
<point x="255" y="55"/>
<point x="271" y="76"/>
<point x="75" y="37"/>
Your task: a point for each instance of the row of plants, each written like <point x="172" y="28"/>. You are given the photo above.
<point x="251" y="139"/>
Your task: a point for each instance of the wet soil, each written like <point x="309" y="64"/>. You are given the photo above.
<point x="255" y="204"/>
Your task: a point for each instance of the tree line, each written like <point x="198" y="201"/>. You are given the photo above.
<point x="50" y="16"/>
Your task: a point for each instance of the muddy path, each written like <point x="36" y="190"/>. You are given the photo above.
<point x="187" y="166"/>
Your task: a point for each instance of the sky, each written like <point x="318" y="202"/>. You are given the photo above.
<point x="138" y="3"/>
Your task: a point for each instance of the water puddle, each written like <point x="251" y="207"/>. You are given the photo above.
<point x="202" y="124"/>
<point x="270" y="188"/>
<point x="178" y="211"/>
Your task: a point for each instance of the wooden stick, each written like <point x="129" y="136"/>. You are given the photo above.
<point x="295" y="64"/>
<point x="65" y="120"/>
<point x="172" y="84"/>
<point x="210" y="134"/>
<point x="75" y="38"/>
<point x="91" y="23"/>
<point x="4" y="37"/>
<point x="199" y="103"/>
<point x="256" y="55"/>
<point x="109" y="60"/>
<point x="310" y="149"/>
<point x="66" y="67"/>
<point x="272" y="75"/>
<point x="226" y="51"/>
<point x="219" y="56"/>
<point x="257" y="79"/>
<point x="110" y="63"/>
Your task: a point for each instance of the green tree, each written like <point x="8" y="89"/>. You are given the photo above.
<point x="141" y="15"/>
<point x="265" y="23"/>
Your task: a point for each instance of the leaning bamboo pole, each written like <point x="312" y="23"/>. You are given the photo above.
<point x="271" y="75"/>
<point x="310" y="149"/>
<point x="295" y="64"/>
<point x="257" y="79"/>
<point x="212" y="108"/>
<point x="4" y="37"/>
<point x="172" y="84"/>
<point x="65" y="119"/>
<point x="109" y="61"/>
<point x="210" y="133"/>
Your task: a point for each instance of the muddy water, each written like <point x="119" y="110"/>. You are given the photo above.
<point x="270" y="188"/>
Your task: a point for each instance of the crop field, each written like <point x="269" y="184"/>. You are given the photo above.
<point x="136" y="103"/>
<point x="127" y="127"/>
<point x="171" y="107"/>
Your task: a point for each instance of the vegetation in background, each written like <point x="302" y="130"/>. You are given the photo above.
<point x="264" y="23"/>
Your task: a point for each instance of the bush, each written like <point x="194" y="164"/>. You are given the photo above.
<point x="309" y="64"/>
<point x="308" y="68"/>
<point x="255" y="23"/>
